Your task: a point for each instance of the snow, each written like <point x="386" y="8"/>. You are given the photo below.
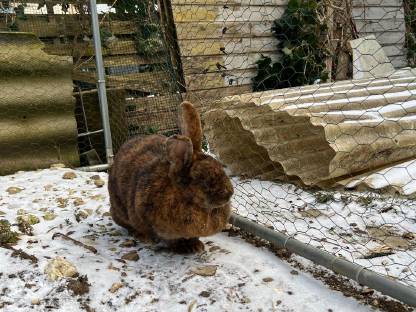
<point x="158" y="281"/>
<point x="352" y="225"/>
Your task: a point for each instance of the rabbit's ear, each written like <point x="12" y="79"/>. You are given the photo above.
<point x="190" y="124"/>
<point x="179" y="153"/>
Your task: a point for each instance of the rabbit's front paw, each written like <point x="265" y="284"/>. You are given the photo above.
<point x="186" y="246"/>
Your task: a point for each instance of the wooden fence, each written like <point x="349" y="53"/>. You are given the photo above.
<point x="147" y="78"/>
<point x="221" y="40"/>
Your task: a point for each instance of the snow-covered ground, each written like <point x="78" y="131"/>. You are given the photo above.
<point x="373" y="230"/>
<point x="231" y="275"/>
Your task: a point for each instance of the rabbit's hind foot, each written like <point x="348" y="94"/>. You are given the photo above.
<point x="186" y="246"/>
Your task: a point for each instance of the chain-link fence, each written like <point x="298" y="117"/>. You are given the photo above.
<point x="317" y="126"/>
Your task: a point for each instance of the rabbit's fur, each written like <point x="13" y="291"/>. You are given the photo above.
<point x="167" y="189"/>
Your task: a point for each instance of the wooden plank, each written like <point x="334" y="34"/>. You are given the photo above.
<point x="153" y="104"/>
<point x="203" y="98"/>
<point x="66" y="25"/>
<point x="231" y="2"/>
<point x="216" y="30"/>
<point x="383" y="25"/>
<point x="211" y="13"/>
<point x="209" y="64"/>
<point x="388" y="38"/>
<point x="394" y="50"/>
<point x="219" y="79"/>
<point x="122" y="60"/>
<point x="381" y="3"/>
<point x="83" y="49"/>
<point x="150" y="82"/>
<point x="155" y="121"/>
<point x="227" y="46"/>
<point x="55" y="2"/>
<point x="377" y="13"/>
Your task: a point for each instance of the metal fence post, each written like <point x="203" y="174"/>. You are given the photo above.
<point x="102" y="93"/>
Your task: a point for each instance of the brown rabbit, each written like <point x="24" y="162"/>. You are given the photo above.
<point x="167" y="189"/>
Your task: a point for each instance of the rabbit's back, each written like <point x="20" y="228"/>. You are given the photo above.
<point x="139" y="170"/>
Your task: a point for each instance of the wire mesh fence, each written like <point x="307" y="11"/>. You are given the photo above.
<point x="309" y="104"/>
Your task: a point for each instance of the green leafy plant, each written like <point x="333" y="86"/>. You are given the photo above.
<point x="301" y="50"/>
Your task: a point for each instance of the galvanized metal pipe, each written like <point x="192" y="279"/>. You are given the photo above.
<point x="94" y="168"/>
<point x="102" y="93"/>
<point x="341" y="266"/>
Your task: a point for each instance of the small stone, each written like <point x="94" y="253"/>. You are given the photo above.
<point x="58" y="268"/>
<point x="131" y="256"/>
<point x="205" y="294"/>
<point x="13" y="190"/>
<point x="95" y="177"/>
<point x="115" y="287"/>
<point x="49" y="216"/>
<point x="35" y="301"/>
<point x="107" y="214"/>
<point x="78" y="202"/>
<point x="207" y="270"/>
<point x="99" y="183"/>
<point x="56" y="166"/>
<point x="294" y="272"/>
<point x="69" y="175"/>
<point x="267" y="279"/>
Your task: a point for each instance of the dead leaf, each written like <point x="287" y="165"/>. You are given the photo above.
<point x="69" y="175"/>
<point x="59" y="165"/>
<point x="14" y="190"/>
<point x="379" y="251"/>
<point x="78" y="202"/>
<point x="99" y="183"/>
<point x="131" y="256"/>
<point x="115" y="287"/>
